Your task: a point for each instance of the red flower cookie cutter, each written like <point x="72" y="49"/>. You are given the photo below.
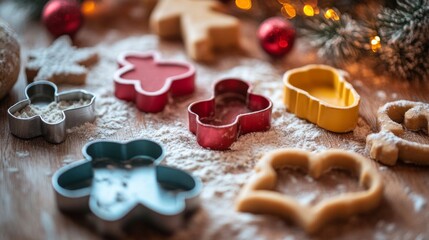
<point x="232" y="111"/>
<point x="146" y="80"/>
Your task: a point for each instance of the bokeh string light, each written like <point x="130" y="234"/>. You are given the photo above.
<point x="243" y="4"/>
<point x="291" y="9"/>
<point x="288" y="11"/>
<point x="88" y="7"/>
<point x="308" y="10"/>
<point x="332" y="14"/>
<point x="375" y="43"/>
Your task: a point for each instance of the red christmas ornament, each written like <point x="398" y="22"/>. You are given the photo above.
<point x="276" y="36"/>
<point x="62" y="17"/>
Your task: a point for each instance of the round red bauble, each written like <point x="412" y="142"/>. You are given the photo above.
<point x="62" y="17"/>
<point x="276" y="36"/>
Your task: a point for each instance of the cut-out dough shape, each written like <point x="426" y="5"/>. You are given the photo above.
<point x="321" y="95"/>
<point x="202" y="27"/>
<point x="60" y="63"/>
<point x="258" y="195"/>
<point x="146" y="80"/>
<point x="387" y="146"/>
<point x="232" y="111"/>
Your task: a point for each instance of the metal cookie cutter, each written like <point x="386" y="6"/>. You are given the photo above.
<point x="232" y="111"/>
<point x="42" y="93"/>
<point x="146" y="80"/>
<point x="121" y="183"/>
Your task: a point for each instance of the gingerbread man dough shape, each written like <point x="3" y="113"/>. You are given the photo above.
<point x="202" y="28"/>
<point x="258" y="195"/>
<point x="387" y="146"/>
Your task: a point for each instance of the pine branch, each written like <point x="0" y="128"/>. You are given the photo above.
<point x="409" y="21"/>
<point x="338" y="41"/>
<point x="404" y="33"/>
<point x="35" y="6"/>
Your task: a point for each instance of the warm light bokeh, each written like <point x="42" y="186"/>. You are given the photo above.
<point x="375" y="43"/>
<point x="288" y="11"/>
<point x="331" y="14"/>
<point x="243" y="4"/>
<point x="88" y="7"/>
<point x="308" y="10"/>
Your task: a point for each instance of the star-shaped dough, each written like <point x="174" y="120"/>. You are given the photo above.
<point x="60" y="63"/>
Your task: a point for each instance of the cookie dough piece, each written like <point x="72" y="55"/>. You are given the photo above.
<point x="200" y="24"/>
<point x="10" y="61"/>
<point x="387" y="146"/>
<point x="258" y="195"/>
<point x="60" y="63"/>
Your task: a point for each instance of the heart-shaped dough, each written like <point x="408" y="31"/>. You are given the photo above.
<point x="258" y="195"/>
<point x="387" y="146"/>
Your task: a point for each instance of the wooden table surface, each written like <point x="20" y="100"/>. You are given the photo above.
<point x="27" y="205"/>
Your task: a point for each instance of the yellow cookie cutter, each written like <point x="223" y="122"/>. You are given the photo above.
<point x="387" y="146"/>
<point x="321" y="95"/>
<point x="259" y="196"/>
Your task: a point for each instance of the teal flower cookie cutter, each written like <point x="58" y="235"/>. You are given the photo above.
<point x="121" y="183"/>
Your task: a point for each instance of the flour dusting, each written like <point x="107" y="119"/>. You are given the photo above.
<point x="111" y="115"/>
<point x="381" y="95"/>
<point x="22" y="154"/>
<point x="419" y="202"/>
<point x="12" y="169"/>
<point x="48" y="225"/>
<point x="51" y="113"/>
<point x="307" y="198"/>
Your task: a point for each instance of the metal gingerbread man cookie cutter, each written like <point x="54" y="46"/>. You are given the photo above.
<point x="42" y="93"/>
<point x="121" y="183"/>
<point x="218" y="121"/>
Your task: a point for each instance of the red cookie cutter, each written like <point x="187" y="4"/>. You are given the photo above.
<point x="232" y="111"/>
<point x="146" y="80"/>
